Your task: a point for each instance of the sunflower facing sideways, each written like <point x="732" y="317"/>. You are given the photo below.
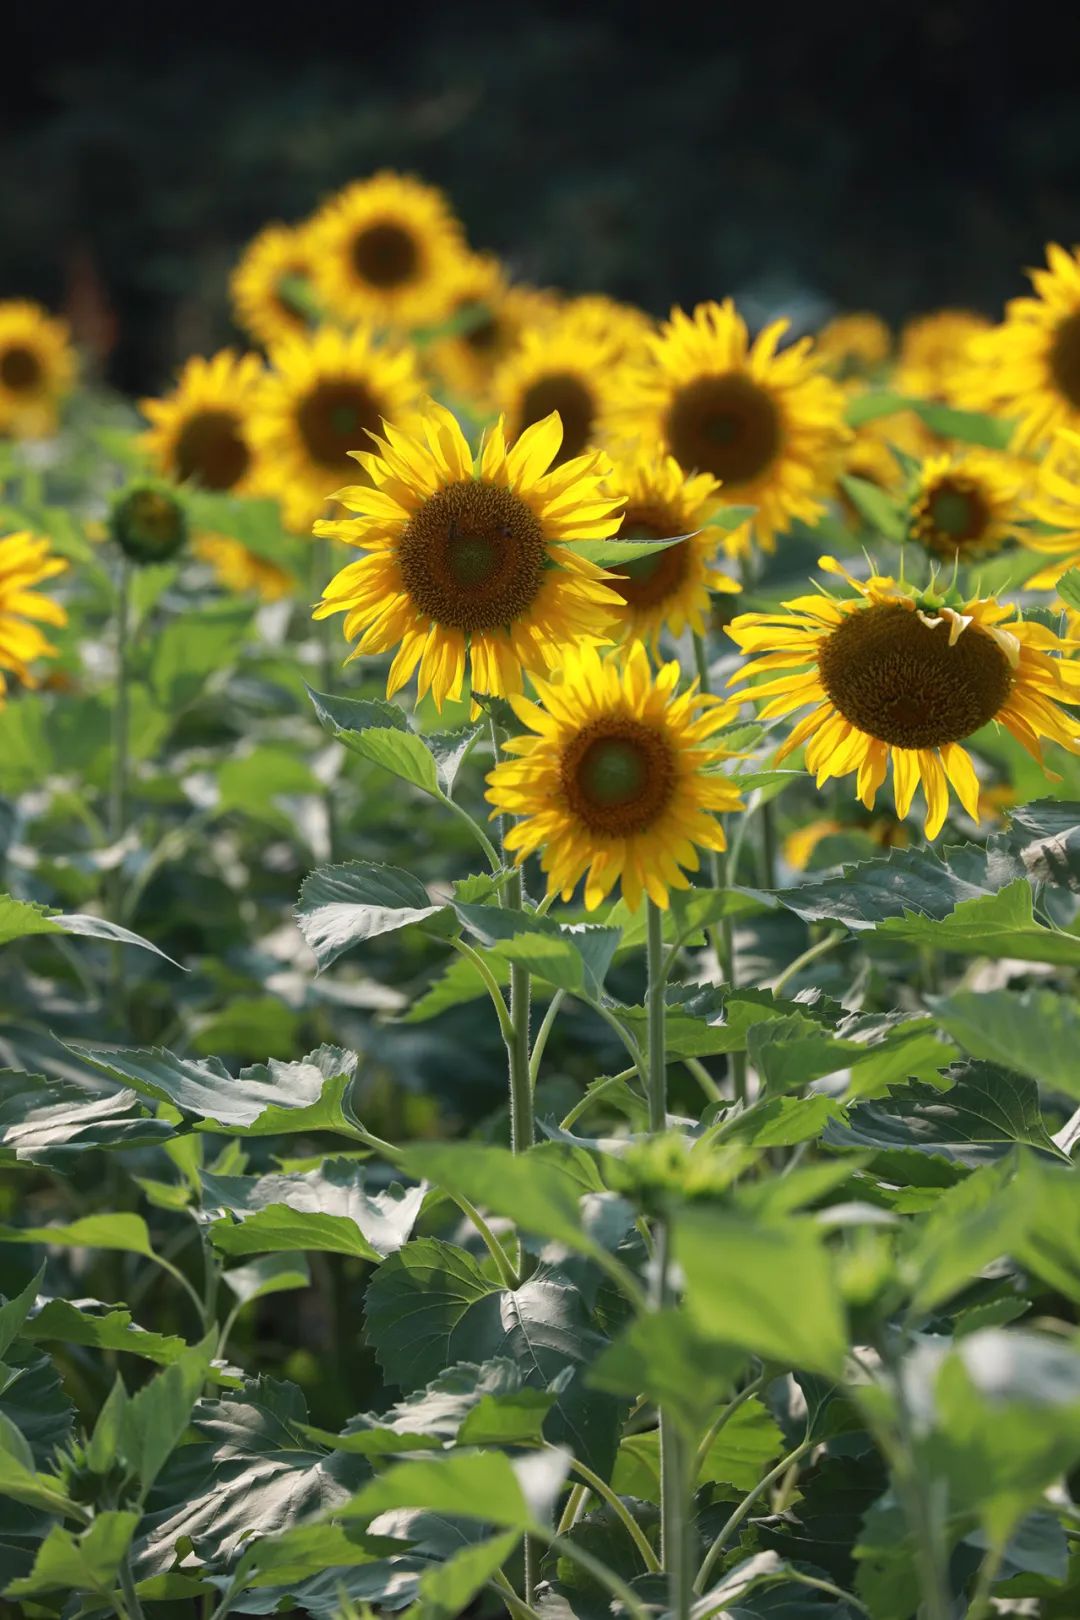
<point x="617" y="782"/>
<point x="487" y="316"/>
<point x="969" y="504"/>
<point x="668" y="588"/>
<point x="274" y="265"/>
<point x="471" y="563"/>
<point x="201" y="432"/>
<point x="385" y="251"/>
<point x="893" y="674"/>
<point x="37" y="369"/>
<point x="26" y="561"/>
<point x="767" y="425"/>
<point x="933" y="352"/>
<point x="565" y="365"/>
<point x="324" y="396"/>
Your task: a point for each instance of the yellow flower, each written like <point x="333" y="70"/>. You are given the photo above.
<point x="562" y="365"/>
<point x="468" y="561"/>
<point x="618" y="782"/>
<point x="1056" y="504"/>
<point x="669" y="588"/>
<point x="800" y="844"/>
<point x="767" y="425"/>
<point x="1029" y="366"/>
<point x="623" y="327"/>
<point x="260" y="283"/>
<point x="25" y="562"/>
<point x="494" y="315"/>
<point x="968" y="503"/>
<point x="933" y="352"/>
<point x="850" y="345"/>
<point x="37" y="369"/>
<point x="202" y="431"/>
<point x="239" y="569"/>
<point x="896" y="676"/>
<point x="385" y="251"/>
<point x="325" y="394"/>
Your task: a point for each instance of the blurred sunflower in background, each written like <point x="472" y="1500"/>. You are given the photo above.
<point x="201" y="432"/>
<point x="565" y="366"/>
<point x="323" y="396"/>
<point x="968" y="504"/>
<point x="1055" y="507"/>
<point x="617" y="782"/>
<point x="1029" y="366"/>
<point x="766" y="424"/>
<point x="470" y="563"/>
<point x="667" y="589"/>
<point x="895" y="675"/>
<point x="623" y="327"/>
<point x="853" y="345"/>
<point x="25" y="562"/>
<point x="487" y="316"/>
<point x="386" y="251"/>
<point x="933" y="352"/>
<point x="238" y="568"/>
<point x="271" y="284"/>
<point x="37" y="369"/>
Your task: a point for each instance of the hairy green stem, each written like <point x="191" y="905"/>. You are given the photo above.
<point x="522" y="1123"/>
<point x="622" y="1513"/>
<point x="654" y="1008"/>
<point x="674" y="1465"/>
<point x="546" y="1026"/>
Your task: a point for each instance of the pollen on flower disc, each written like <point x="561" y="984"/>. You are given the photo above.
<point x="473" y="556"/>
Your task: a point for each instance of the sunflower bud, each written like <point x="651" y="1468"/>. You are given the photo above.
<point x="148" y="523"/>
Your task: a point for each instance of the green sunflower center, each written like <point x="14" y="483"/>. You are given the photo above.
<point x="336" y="418"/>
<point x="385" y="255"/>
<point x="572" y="398"/>
<point x="1065" y="358"/>
<point x="726" y="425"/>
<point x="473" y="557"/>
<point x="618" y="775"/>
<point x="211" y="451"/>
<point x="897" y="679"/>
<point x="149" y="525"/>
<point x="649" y="580"/>
<point x="20" y="369"/>
<point x="958" y="516"/>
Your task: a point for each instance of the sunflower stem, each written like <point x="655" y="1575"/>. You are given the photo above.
<point x="674" y="1462"/>
<point x="519" y="1040"/>
<point x="320" y="573"/>
<point x="768" y="846"/>
<point x="118" y="796"/>
<point x="654" y="1004"/>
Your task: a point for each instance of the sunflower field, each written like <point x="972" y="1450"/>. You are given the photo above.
<point x="541" y="934"/>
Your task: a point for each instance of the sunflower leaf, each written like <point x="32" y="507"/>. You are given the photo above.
<point x="1068" y="588"/>
<point x="1034" y="1032"/>
<point x="341" y="906"/>
<point x="880" y="510"/>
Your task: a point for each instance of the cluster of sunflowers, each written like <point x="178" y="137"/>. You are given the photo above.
<point x="546" y="490"/>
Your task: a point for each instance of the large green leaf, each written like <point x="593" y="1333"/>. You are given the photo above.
<point x="20" y="919"/>
<point x="1000" y="925"/>
<point x="86" y="1563"/>
<point x="663" y="1356"/>
<point x="738" y="1456"/>
<point x="154" y="1420"/>
<point x="573" y="957"/>
<point x="123" y="1232"/>
<point x="194" y="648"/>
<point x="485" y="1485"/>
<point x="49" y="1121"/>
<point x="330" y="1209"/>
<point x="381" y="732"/>
<point x="342" y="906"/>
<point x="100" y="1326"/>
<point x="1035" y="1032"/>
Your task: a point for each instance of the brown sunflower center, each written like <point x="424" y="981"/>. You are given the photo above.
<point x="572" y="398"/>
<point x="385" y="255"/>
<point x="20" y="368"/>
<point x="958" y="516"/>
<point x="618" y="775"/>
<point x="211" y="451"/>
<point x="897" y="679"/>
<point x="1065" y="358"/>
<point x="336" y="418"/>
<point x="724" y="425"/>
<point x="483" y="334"/>
<point x="653" y="578"/>
<point x="472" y="558"/>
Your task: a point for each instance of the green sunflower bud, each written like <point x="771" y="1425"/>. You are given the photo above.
<point x="148" y="523"/>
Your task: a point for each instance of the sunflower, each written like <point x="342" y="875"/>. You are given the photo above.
<point x="968" y="504"/>
<point x="851" y="345"/>
<point x="799" y="845"/>
<point x="274" y="267"/>
<point x="490" y="316"/>
<point x="618" y="782"/>
<point x="623" y="327"/>
<point x="25" y="562"/>
<point x="933" y="352"/>
<point x="469" y="561"/>
<point x="1055" y="506"/>
<point x="325" y="394"/>
<point x="894" y="674"/>
<point x="239" y="569"/>
<point x="564" y="365"/>
<point x="37" y="369"/>
<point x="201" y="432"/>
<point x="1029" y="366"/>
<point x="767" y="425"/>
<point x="670" y="588"/>
<point x="385" y="251"/>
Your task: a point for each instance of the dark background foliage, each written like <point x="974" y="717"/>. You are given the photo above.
<point x="807" y="156"/>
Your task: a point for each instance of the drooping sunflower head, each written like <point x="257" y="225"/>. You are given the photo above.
<point x="26" y="561"/>
<point x="1029" y="366"/>
<point x="237" y="568"/>
<point x="471" y="562"/>
<point x="270" y="286"/>
<point x="669" y="588"/>
<point x="386" y="251"/>
<point x="324" y="396"/>
<point x="933" y="352"/>
<point x="895" y="675"/>
<point x="561" y="365"/>
<point x="968" y="504"/>
<point x="37" y="369"/>
<point x="488" y="316"/>
<point x="201" y="433"/>
<point x="767" y="425"/>
<point x="852" y="345"/>
<point x="149" y="523"/>
<point x="617" y="781"/>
